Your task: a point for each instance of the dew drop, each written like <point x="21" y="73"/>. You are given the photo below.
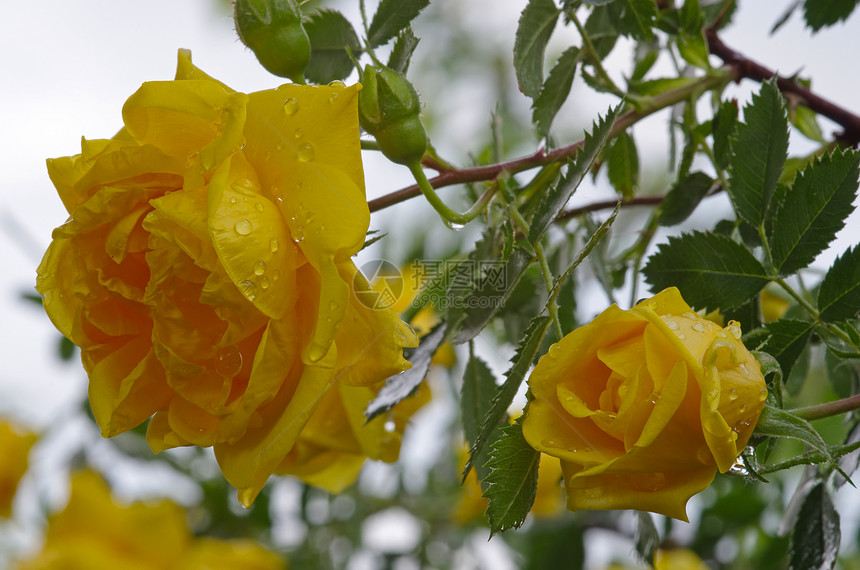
<point x="698" y="327"/>
<point x="276" y="275"/>
<point x="273" y="245"/>
<point x="734" y="329"/>
<point x="244" y="186"/>
<point x="389" y="426"/>
<point x="259" y="268"/>
<point x="249" y="289"/>
<point x="291" y="106"/>
<point x="333" y="306"/>
<point x="549" y="442"/>
<point x="682" y="337"/>
<point x="454" y="226"/>
<point x="332" y="98"/>
<point x="233" y="200"/>
<point x="298" y="133"/>
<point x="243" y="227"/>
<point x="673" y="325"/>
<point x="228" y="361"/>
<point x="280" y="145"/>
<point x="316" y="352"/>
<point x="690" y="315"/>
<point x="305" y="152"/>
<point x="337" y="84"/>
<point x="733" y="394"/>
<point x="264" y="283"/>
<point x="258" y="206"/>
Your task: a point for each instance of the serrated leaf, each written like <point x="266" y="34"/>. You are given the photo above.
<point x="535" y="26"/>
<point x="711" y="270"/>
<point x="653" y="87"/>
<point x="391" y="17"/>
<point x="683" y="198"/>
<point x="401" y="385"/>
<point x="849" y="459"/>
<point x="646" y="538"/>
<point x="476" y="396"/>
<point x="558" y="195"/>
<point x="694" y="49"/>
<point x="401" y="53"/>
<point x="815" y="208"/>
<point x="554" y="91"/>
<point x="806" y="121"/>
<point x="723" y="127"/>
<point x="758" y="150"/>
<point x="622" y="164"/>
<point x="788" y="337"/>
<point x="512" y="482"/>
<point x="490" y="296"/>
<point x="775" y="422"/>
<point x="816" y="535"/>
<point x="330" y="34"/>
<point x="818" y="14"/>
<point x="520" y="364"/>
<point x="847" y="456"/>
<point x="637" y="19"/>
<point x="839" y="292"/>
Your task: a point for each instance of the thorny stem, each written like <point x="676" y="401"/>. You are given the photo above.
<point x="828" y="409"/>
<point x="541" y="157"/>
<point x="750" y="69"/>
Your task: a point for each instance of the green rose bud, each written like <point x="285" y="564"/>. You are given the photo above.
<point x="388" y="108"/>
<point x="274" y="32"/>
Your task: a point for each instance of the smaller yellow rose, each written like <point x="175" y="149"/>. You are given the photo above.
<point x="644" y="406"/>
<point x="15" y="447"/>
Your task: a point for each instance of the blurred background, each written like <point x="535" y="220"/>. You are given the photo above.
<point x="67" y="69"/>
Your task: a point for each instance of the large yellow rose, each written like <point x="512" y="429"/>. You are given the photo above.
<point x="205" y="268"/>
<point x="93" y="531"/>
<point x="644" y="406"/>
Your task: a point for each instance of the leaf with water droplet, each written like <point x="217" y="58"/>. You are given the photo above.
<point x="816" y="535"/>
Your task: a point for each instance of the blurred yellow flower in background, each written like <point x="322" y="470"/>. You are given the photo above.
<point x="672" y="559"/>
<point x="15" y="447"/>
<point x="93" y="533"/>
<point x="205" y="270"/>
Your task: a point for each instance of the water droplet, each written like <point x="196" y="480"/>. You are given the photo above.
<point x="228" y="361"/>
<point x="298" y="133"/>
<point x="332" y="98"/>
<point x="733" y="394"/>
<point x="337" y="84"/>
<point x="673" y="325"/>
<point x="259" y="268"/>
<point x="762" y="395"/>
<point x="389" y="426"/>
<point x="305" y="152"/>
<point x="690" y="315"/>
<point x="249" y="289"/>
<point x="316" y="352"/>
<point x="333" y="306"/>
<point x="243" y="227"/>
<point x="454" y="226"/>
<point x="549" y="442"/>
<point x="276" y="275"/>
<point x="682" y="337"/>
<point x="264" y="282"/>
<point x="280" y="145"/>
<point x="244" y="186"/>
<point x="273" y="245"/>
<point x="322" y="227"/>
<point x="734" y="329"/>
<point x="698" y="327"/>
<point x="258" y="206"/>
<point x="299" y="234"/>
<point x="233" y="200"/>
<point x="291" y="106"/>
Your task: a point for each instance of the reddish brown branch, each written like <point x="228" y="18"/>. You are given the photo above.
<point x="608" y="205"/>
<point x="752" y="70"/>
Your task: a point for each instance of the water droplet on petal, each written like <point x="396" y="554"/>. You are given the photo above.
<point x="244" y="186"/>
<point x="259" y="268"/>
<point x="389" y="426"/>
<point x="337" y="84"/>
<point x="280" y="145"/>
<point x="264" y="282"/>
<point x="316" y="352"/>
<point x="698" y="327"/>
<point x="690" y="315"/>
<point x="332" y="98"/>
<point x="228" y="361"/>
<point x="233" y="200"/>
<point x="682" y="337"/>
<point x="673" y="325"/>
<point x="305" y="152"/>
<point x="333" y="306"/>
<point x="243" y="227"/>
<point x="298" y="133"/>
<point x="273" y="245"/>
<point x="249" y="289"/>
<point x="291" y="106"/>
<point x="733" y="394"/>
<point x="258" y="206"/>
<point x="276" y="275"/>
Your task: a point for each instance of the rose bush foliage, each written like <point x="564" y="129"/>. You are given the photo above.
<point x="205" y="270"/>
<point x="644" y="406"/>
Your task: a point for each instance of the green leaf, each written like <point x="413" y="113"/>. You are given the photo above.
<point x="788" y="337"/>
<point x="816" y="535"/>
<point x="683" y="198"/>
<point x="646" y="538"/>
<point x="723" y="126"/>
<point x="821" y="14"/>
<point x="401" y="53"/>
<point x="391" y="17"/>
<point x="330" y="34"/>
<point x="775" y="422"/>
<point x="557" y="543"/>
<point x="848" y="455"/>
<point x="402" y="385"/>
<point x="556" y="198"/>
<point x="815" y="208"/>
<point x="839" y="292"/>
<point x="555" y="90"/>
<point x="759" y="148"/>
<point x="711" y="270"/>
<point x="520" y="364"/>
<point x="694" y="50"/>
<point x="638" y="17"/>
<point x="476" y="395"/>
<point x="623" y="164"/>
<point x="66" y="349"/>
<point x="806" y="121"/>
<point x="512" y="482"/>
<point x="653" y="87"/>
<point x="535" y="26"/>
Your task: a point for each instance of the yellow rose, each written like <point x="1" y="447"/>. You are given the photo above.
<point x="14" y="449"/>
<point x="644" y="406"/>
<point x="95" y="532"/>
<point x="335" y="442"/>
<point x="674" y="559"/>
<point x="205" y="268"/>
